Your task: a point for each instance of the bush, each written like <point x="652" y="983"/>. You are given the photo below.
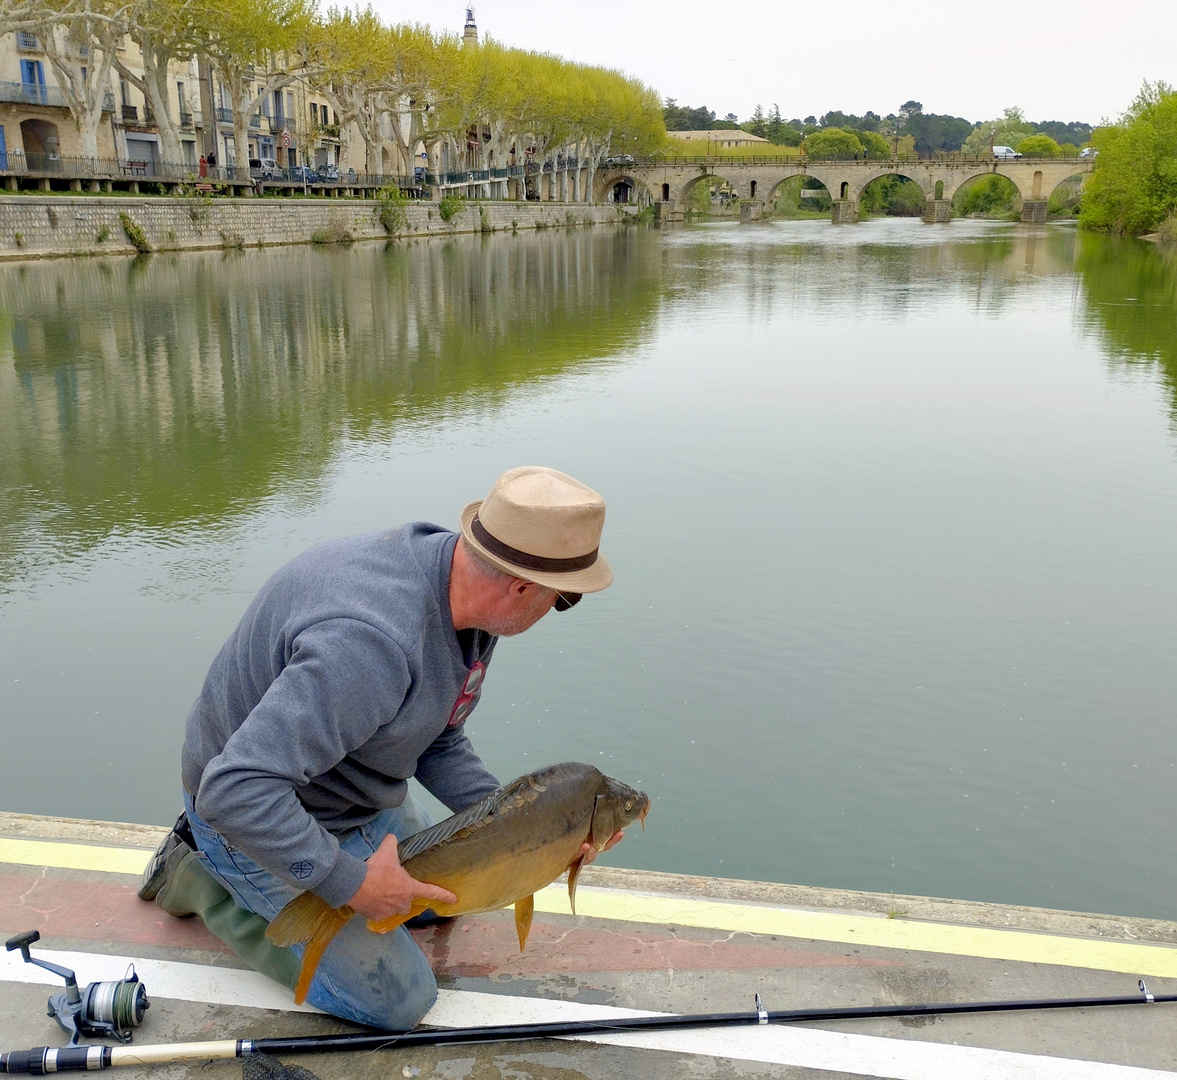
<point x="392" y="212"/>
<point x="986" y="196"/>
<point x="1134" y="185"/>
<point x="450" y="206"/>
<point x="1039" y="146"/>
<point x="832" y="142"/>
<point x="134" y="232"/>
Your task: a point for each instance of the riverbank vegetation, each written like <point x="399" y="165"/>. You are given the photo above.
<point x="1134" y="186"/>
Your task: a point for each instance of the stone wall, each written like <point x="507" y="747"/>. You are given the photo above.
<point x="39" y="226"/>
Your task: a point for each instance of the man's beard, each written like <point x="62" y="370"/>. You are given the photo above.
<point x="510" y="625"/>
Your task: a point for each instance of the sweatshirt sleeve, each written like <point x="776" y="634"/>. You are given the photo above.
<point x="452" y="772"/>
<point x="342" y="681"/>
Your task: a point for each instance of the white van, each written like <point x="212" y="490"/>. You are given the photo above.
<point x="1005" y="153"/>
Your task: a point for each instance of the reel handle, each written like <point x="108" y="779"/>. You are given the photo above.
<point x="23" y="941"/>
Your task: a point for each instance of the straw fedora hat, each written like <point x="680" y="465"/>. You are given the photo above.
<point x="543" y="526"/>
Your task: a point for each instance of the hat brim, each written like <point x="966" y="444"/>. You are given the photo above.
<point x="593" y="579"/>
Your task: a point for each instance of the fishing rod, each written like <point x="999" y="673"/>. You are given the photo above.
<point x="41" y="1059"/>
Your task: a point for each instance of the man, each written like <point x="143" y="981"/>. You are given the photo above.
<point x="355" y="668"/>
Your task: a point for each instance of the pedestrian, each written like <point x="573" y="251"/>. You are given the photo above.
<point x="212" y="160"/>
<point x="202" y="170"/>
<point x="355" y="667"/>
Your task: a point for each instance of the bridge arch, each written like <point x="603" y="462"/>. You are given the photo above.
<point x="777" y="190"/>
<point x="895" y="193"/>
<point x="682" y="197"/>
<point x="913" y="175"/>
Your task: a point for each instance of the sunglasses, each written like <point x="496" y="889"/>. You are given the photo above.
<point x="566" y="600"/>
<point x="465" y="703"/>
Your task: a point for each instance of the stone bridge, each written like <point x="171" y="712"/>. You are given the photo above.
<point x="757" y="183"/>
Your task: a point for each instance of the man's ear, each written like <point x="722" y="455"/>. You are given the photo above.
<point x="518" y="587"/>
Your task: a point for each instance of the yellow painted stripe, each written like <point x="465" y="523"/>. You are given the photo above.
<point x="614" y="904"/>
<point x="114" y="860"/>
<point x="880" y="932"/>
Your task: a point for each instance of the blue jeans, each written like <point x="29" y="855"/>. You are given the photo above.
<point x="382" y="980"/>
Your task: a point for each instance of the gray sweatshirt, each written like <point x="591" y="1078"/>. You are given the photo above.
<point x="336" y="687"/>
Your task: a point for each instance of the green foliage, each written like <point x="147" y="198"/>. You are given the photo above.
<point x="987" y="196"/>
<point x="832" y="143"/>
<point x="790" y="204"/>
<point x="333" y="234"/>
<point x="683" y="118"/>
<point x="392" y="210"/>
<point x="134" y="232"/>
<point x="1134" y="185"/>
<point x="1009" y="129"/>
<point x="450" y="206"/>
<point x="1039" y="146"/>
<point x="103" y="233"/>
<point x="874" y="144"/>
<point x="896" y="196"/>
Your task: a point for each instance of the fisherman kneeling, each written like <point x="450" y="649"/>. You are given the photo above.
<point x="354" y="668"/>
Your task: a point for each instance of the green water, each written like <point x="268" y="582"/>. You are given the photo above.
<point x="891" y="509"/>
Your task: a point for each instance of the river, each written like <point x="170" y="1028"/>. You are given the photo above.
<point x="891" y="511"/>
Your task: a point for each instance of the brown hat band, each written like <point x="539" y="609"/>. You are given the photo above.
<point x="530" y="562"/>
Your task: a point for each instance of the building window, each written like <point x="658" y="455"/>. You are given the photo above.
<point x="314" y="114"/>
<point x="25" y="40"/>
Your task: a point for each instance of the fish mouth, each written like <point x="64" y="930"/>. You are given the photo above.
<point x="642" y="815"/>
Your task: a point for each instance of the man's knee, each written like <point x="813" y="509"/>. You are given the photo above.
<point x="383" y="981"/>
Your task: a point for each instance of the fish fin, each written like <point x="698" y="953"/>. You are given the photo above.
<point x="383" y="926"/>
<point x="524" y="909"/>
<point x="573" y="874"/>
<point x="463" y="819"/>
<point x="311" y="919"/>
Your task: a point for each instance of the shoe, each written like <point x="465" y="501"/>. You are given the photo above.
<point x="428" y="917"/>
<point x="179" y="839"/>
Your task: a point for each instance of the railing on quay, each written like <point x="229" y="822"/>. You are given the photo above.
<point x="55" y="166"/>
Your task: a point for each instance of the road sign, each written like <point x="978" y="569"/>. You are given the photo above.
<point x="286" y="138"/>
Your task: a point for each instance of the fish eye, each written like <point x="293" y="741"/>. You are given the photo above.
<point x="629" y="804"/>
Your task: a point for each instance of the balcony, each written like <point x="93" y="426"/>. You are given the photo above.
<point x="130" y="114"/>
<point x="255" y="121"/>
<point x="282" y="123"/>
<point x="32" y="94"/>
<point x="186" y="121"/>
<point x="224" y="116"/>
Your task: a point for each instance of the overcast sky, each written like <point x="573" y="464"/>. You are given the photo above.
<point x="1061" y="61"/>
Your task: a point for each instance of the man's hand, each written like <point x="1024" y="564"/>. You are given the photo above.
<point x="590" y="853"/>
<point x="388" y="889"/>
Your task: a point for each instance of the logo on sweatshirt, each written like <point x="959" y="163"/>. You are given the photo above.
<point x="302" y="869"/>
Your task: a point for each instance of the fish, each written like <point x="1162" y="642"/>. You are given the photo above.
<point x="491" y="855"/>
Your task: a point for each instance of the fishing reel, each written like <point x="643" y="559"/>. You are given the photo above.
<point x="104" y="1010"/>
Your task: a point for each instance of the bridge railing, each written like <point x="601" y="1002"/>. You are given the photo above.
<point x="943" y="158"/>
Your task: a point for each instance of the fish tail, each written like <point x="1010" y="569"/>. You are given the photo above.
<point x="311" y="919"/>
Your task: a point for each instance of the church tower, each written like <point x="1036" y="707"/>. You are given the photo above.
<point x="470" y="32"/>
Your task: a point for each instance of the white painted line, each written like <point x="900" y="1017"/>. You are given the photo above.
<point x="163" y="978"/>
<point x="798" y="1046"/>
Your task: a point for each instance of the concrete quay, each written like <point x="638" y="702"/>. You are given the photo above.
<point x="642" y="942"/>
<point x="49" y="226"/>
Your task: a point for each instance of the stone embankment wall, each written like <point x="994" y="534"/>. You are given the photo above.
<point x="48" y="226"/>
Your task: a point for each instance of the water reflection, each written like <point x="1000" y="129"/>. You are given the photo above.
<point x="1130" y="302"/>
<point x="180" y="389"/>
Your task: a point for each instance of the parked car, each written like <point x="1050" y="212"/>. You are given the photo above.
<point x="619" y="159"/>
<point x="1005" y="153"/>
<point x="1089" y="152"/>
<point x="327" y="174"/>
<point x="301" y="174"/>
<point x="263" y="168"/>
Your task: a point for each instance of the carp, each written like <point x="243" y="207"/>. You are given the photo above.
<point x="493" y="854"/>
